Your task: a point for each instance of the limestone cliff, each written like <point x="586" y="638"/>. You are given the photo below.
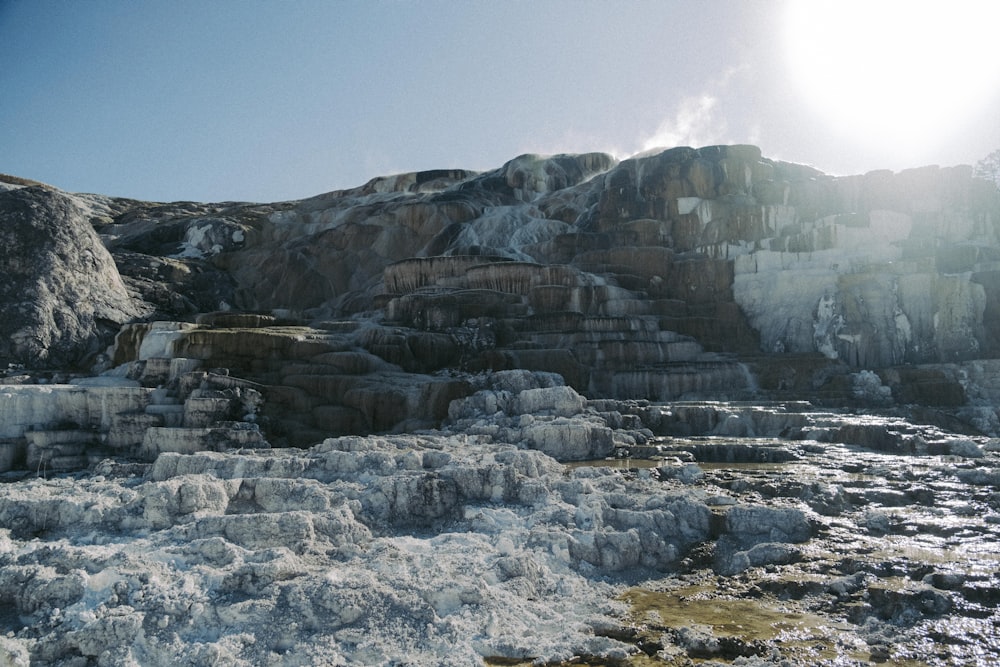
<point x="712" y="272"/>
<point x="495" y="382"/>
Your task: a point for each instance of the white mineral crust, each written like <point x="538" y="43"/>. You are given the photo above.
<point x="431" y="549"/>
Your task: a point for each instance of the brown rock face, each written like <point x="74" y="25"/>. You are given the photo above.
<point x="711" y="273"/>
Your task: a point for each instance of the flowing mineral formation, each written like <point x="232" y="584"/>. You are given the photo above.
<point x="693" y="405"/>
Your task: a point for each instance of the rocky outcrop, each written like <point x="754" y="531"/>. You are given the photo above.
<point x="680" y="274"/>
<point x="740" y="252"/>
<point x="60" y="427"/>
<point x="710" y="272"/>
<point x="61" y="299"/>
<point x="507" y="400"/>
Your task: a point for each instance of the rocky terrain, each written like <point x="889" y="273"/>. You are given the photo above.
<point x="693" y="406"/>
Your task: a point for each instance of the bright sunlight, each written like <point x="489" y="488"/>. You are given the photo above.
<point x="895" y="73"/>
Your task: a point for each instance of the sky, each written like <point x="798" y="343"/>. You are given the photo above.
<point x="272" y="100"/>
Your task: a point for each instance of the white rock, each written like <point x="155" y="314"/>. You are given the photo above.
<point x="751" y="524"/>
<point x="160" y="338"/>
<point x="31" y="407"/>
<point x="966" y="448"/>
<point x="570" y="439"/>
<point x="14" y="652"/>
<point x="562" y="401"/>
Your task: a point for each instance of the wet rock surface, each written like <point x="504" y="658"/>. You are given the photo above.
<point x="465" y="545"/>
<point x="884" y="557"/>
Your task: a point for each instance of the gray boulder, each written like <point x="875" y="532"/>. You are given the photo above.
<point x="61" y="299"/>
<point x="758" y="535"/>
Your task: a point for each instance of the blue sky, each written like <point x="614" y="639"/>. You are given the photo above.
<point x="259" y="100"/>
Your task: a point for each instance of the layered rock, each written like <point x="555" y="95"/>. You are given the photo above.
<point x="489" y="327"/>
<point x="313" y="381"/>
<point x="685" y="273"/>
<point x="58" y="427"/>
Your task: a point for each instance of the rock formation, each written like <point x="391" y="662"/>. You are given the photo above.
<point x="61" y="293"/>
<point x="520" y="415"/>
<point x="711" y="272"/>
<point x="686" y="273"/>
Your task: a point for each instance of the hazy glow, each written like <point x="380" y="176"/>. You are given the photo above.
<point x="894" y="73"/>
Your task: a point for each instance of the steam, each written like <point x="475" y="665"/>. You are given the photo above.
<point x="699" y="120"/>
<point x="695" y="123"/>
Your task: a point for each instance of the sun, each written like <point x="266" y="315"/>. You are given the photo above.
<point x="894" y="73"/>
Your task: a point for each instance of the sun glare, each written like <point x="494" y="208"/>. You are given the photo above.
<point x="894" y="72"/>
